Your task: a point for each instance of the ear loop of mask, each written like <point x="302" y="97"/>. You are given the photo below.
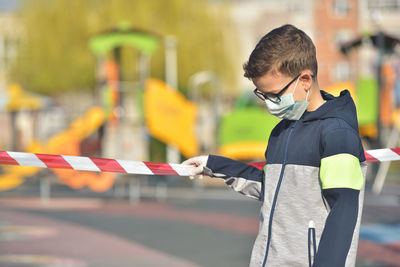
<point x="296" y="87"/>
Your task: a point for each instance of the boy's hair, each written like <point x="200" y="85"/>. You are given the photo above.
<point x="286" y="49"/>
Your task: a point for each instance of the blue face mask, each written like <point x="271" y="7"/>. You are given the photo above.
<point x="288" y="108"/>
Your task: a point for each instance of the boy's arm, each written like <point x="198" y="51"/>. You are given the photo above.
<point x="341" y="180"/>
<point x="241" y="177"/>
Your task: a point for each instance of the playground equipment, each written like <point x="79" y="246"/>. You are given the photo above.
<point x="112" y="117"/>
<point x="364" y="93"/>
<point x="107" y="47"/>
<point x="390" y="117"/>
<point x="65" y="142"/>
<point x="387" y="96"/>
<point x="112" y="41"/>
<point x="170" y="117"/>
<point x="146" y="43"/>
<point x="14" y="100"/>
<point x="244" y="133"/>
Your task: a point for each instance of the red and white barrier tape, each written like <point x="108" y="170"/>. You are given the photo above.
<point x="137" y="167"/>
<point x="93" y="164"/>
<point x="384" y="154"/>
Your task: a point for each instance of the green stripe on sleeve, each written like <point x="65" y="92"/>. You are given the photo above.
<point x="341" y="171"/>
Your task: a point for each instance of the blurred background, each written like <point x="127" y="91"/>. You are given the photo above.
<point x="162" y="81"/>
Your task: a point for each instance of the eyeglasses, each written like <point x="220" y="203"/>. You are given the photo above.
<point x="276" y="98"/>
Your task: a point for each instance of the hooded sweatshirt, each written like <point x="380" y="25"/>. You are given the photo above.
<point x="311" y="187"/>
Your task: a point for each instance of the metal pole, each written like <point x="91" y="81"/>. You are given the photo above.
<point x="117" y="58"/>
<point x="171" y="64"/>
<point x="197" y="80"/>
<point x="134" y="190"/>
<point x="14" y="130"/>
<point x="45" y="188"/>
<point x="384" y="166"/>
<point x="381" y="52"/>
<point x="144" y="73"/>
<point x="171" y="78"/>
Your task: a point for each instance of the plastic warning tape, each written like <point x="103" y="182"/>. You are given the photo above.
<point x="384" y="154"/>
<point x="137" y="167"/>
<point x="93" y="164"/>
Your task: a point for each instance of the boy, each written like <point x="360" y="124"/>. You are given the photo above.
<point x="312" y="183"/>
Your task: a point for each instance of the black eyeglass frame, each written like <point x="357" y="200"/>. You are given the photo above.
<point x="276" y="98"/>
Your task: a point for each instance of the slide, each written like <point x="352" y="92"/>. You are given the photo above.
<point x="66" y="142"/>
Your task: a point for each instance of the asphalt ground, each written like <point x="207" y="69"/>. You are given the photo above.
<point x="190" y="228"/>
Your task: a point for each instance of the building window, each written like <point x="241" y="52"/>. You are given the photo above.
<point x="8" y="51"/>
<point x="342" y="36"/>
<point x="296" y="7"/>
<point x="342" y="71"/>
<point x="341" y="7"/>
<point x="384" y="5"/>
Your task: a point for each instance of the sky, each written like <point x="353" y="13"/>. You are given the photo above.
<point x="8" y="5"/>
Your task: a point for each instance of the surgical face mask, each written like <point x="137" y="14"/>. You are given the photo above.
<point x="288" y="108"/>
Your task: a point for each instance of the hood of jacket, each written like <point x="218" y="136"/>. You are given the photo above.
<point x="342" y="107"/>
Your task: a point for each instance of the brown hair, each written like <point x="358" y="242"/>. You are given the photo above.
<point x="286" y="49"/>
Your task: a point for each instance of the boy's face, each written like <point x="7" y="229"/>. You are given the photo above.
<point x="272" y="83"/>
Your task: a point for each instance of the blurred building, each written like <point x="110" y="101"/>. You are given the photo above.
<point x="329" y="23"/>
<point x="380" y="14"/>
<point x="254" y="18"/>
<point x="10" y="32"/>
<point x="375" y="16"/>
<point x="335" y="22"/>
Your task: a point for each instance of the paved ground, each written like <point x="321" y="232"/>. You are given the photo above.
<point x="210" y="228"/>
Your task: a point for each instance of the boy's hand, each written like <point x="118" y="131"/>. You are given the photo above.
<point x="198" y="163"/>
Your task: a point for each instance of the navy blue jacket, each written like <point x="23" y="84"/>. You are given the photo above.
<point x="310" y="188"/>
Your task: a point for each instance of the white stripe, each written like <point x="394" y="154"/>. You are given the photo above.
<point x="81" y="163"/>
<point x="182" y="170"/>
<point x="384" y="154"/>
<point x="135" y="167"/>
<point x="27" y="159"/>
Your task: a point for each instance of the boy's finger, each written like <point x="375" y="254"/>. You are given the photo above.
<point x="198" y="170"/>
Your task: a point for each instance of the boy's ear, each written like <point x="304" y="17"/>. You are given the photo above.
<point x="306" y="79"/>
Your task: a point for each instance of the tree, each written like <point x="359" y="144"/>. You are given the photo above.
<point x="54" y="56"/>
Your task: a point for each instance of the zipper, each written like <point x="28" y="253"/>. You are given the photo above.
<point x="311" y="234"/>
<point x="271" y="215"/>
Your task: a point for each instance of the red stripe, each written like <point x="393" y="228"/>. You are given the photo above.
<point x="6" y="159"/>
<point x="370" y="158"/>
<point x="259" y="165"/>
<point x="54" y="161"/>
<point x="396" y="150"/>
<point x="161" y="168"/>
<point x="108" y="165"/>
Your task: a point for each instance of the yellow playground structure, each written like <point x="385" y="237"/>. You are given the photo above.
<point x="66" y="142"/>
